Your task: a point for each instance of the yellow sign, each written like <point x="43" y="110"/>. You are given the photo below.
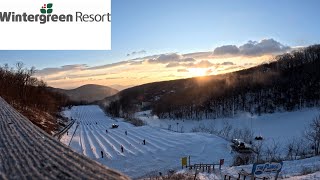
<point x="184" y="161"/>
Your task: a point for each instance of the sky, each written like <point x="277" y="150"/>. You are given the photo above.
<point x="172" y="39"/>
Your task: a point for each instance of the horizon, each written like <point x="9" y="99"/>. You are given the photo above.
<point x="156" y="41"/>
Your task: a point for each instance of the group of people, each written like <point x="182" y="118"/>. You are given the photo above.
<point x="121" y="147"/>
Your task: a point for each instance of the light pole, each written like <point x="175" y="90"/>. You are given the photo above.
<point x="251" y="121"/>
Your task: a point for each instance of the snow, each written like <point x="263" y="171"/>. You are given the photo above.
<point x="277" y="127"/>
<point x="27" y="152"/>
<point x="313" y="176"/>
<point x="162" y="152"/>
<point x="164" y="148"/>
<point x="291" y="170"/>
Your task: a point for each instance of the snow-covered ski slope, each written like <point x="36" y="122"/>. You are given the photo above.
<point x="162" y="151"/>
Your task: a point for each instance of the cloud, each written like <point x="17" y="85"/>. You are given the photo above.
<point x="110" y="65"/>
<point x="136" y="63"/>
<point x="198" y="55"/>
<point x="253" y="48"/>
<point x="110" y="78"/>
<point x="156" y="67"/>
<point x="231" y="68"/>
<point x="201" y="64"/>
<point x="209" y="71"/>
<point x="249" y="64"/>
<point x="266" y="46"/>
<point x="228" y="63"/>
<point x="169" y="58"/>
<point x="48" y="71"/>
<point x="182" y="70"/>
<point x="226" y="50"/>
<point x="137" y="53"/>
<point x="173" y="64"/>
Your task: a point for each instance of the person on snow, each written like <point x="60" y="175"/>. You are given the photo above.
<point x="144" y="142"/>
<point x="121" y="148"/>
<point x="106" y="130"/>
<point x="101" y="154"/>
<point x="126" y="133"/>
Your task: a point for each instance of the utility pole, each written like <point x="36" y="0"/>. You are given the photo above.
<point x="251" y="121"/>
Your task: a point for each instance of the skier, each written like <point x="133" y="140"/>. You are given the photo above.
<point x="96" y="123"/>
<point x="144" y="142"/>
<point x="106" y="130"/>
<point x="126" y="132"/>
<point x="121" y="148"/>
<point x="102" y="154"/>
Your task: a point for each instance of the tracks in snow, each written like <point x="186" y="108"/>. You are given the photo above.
<point x="93" y="126"/>
<point x="27" y="152"/>
<point x="163" y="149"/>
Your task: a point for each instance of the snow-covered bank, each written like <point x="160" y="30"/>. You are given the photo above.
<point x="279" y="127"/>
<point x="289" y="169"/>
<point x="292" y="170"/>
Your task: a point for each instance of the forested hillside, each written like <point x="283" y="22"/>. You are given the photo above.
<point x="31" y="97"/>
<point x="288" y="82"/>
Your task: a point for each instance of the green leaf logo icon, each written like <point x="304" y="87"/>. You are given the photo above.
<point x="43" y="11"/>
<point x="46" y="8"/>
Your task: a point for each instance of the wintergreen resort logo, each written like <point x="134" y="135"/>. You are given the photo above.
<point x="46" y="9"/>
<point x="48" y="16"/>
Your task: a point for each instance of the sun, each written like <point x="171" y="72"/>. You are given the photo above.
<point x="197" y="71"/>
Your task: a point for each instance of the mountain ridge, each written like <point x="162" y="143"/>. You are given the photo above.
<point x="287" y="82"/>
<point x="87" y="93"/>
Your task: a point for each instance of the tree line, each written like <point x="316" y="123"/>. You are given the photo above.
<point x="288" y="82"/>
<point x="30" y="96"/>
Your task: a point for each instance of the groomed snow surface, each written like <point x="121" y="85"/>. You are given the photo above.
<point x="161" y="153"/>
<point x="164" y="148"/>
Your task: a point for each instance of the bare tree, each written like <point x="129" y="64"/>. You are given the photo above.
<point x="226" y="129"/>
<point x="257" y="147"/>
<point x="272" y="151"/>
<point x="29" y="95"/>
<point x="246" y="134"/>
<point x="312" y="134"/>
<point x="290" y="148"/>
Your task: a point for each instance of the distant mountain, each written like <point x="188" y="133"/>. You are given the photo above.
<point x="120" y="87"/>
<point x="288" y="82"/>
<point x="88" y="93"/>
